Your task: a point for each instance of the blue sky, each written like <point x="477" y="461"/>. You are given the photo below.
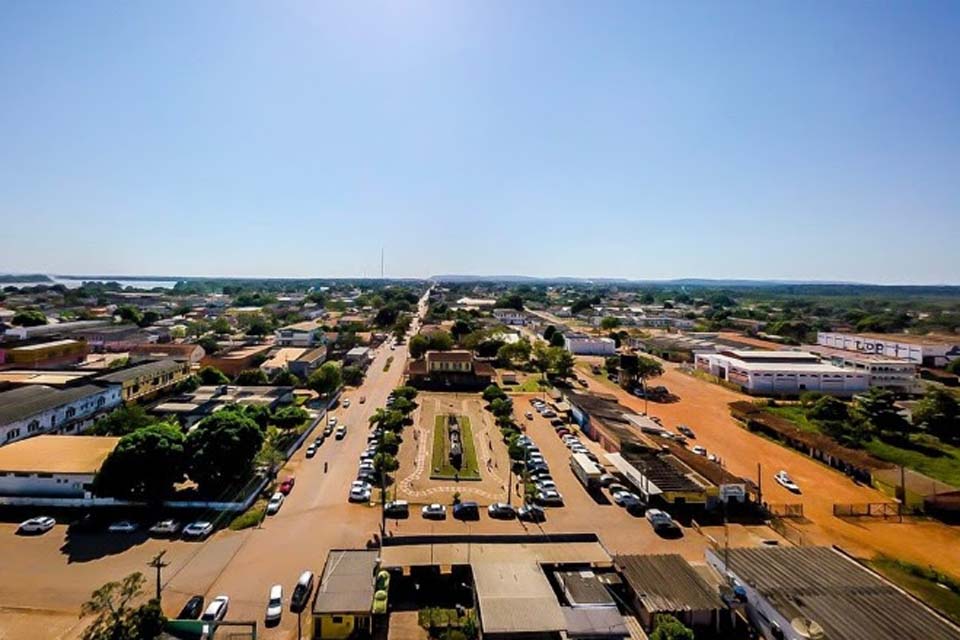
<point x="813" y="140"/>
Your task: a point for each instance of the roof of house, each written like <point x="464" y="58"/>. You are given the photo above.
<point x="145" y="369"/>
<point x="56" y="454"/>
<point x="313" y="354"/>
<point x="515" y="597"/>
<point x="347" y="585"/>
<point x="46" y="345"/>
<point x="450" y="356"/>
<point x="43" y="376"/>
<point x="182" y="349"/>
<point x="583" y="588"/>
<point x="665" y="583"/>
<point x="848" y="601"/>
<point x="303" y="327"/>
<point x="22" y="403"/>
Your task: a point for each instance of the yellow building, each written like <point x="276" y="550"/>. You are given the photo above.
<point x="149" y="379"/>
<point x="46" y="354"/>
<point x="342" y="606"/>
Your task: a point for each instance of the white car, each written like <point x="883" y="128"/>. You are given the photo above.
<point x="660" y="520"/>
<point x="545" y="485"/>
<point x="340" y="433"/>
<point x="276" y="501"/>
<point x="332" y="421"/>
<point x="434" y="511"/>
<point x="359" y="491"/>
<point x="40" y="524"/>
<point x="700" y="451"/>
<point x="784" y="479"/>
<point x="124" y="526"/>
<point x="165" y="528"/>
<point x="274" y="604"/>
<point x="346" y="402"/>
<point x="216" y="610"/>
<point x="550" y="497"/>
<point x="199" y="529"/>
<point x="626" y="498"/>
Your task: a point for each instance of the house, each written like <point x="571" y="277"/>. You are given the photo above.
<point x="583" y="345"/>
<point x="589" y="610"/>
<point x="509" y="316"/>
<point x="280" y="359"/>
<point x="191" y="407"/>
<point x="667" y="584"/>
<point x="796" y="593"/>
<point x="113" y="338"/>
<point x="236" y="360"/>
<point x="38" y="409"/>
<point x="360" y="356"/>
<point x="300" y="334"/>
<point x="44" y="355"/>
<point x="146" y="380"/>
<point x="193" y="353"/>
<point x="449" y="370"/>
<point x="53" y="466"/>
<point x="342" y="605"/>
<point x="308" y="362"/>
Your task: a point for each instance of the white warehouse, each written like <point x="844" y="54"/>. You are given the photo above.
<point x="53" y="466"/>
<point x="38" y="409"/>
<point x="931" y="351"/>
<point x="782" y="373"/>
<point x="583" y="345"/>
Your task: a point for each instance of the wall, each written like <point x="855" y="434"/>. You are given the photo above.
<point x="63" y="485"/>
<point x="72" y="417"/>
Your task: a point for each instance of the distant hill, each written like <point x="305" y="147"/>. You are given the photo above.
<point x="39" y="278"/>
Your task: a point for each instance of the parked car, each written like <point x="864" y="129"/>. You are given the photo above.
<point x="550" y="497"/>
<point x="276" y="501"/>
<point x="274" y="605"/>
<point x="546" y="485"/>
<point x="165" y="528"/>
<point x="346" y="402"/>
<point x="216" y="610"/>
<point x="606" y="480"/>
<point x="466" y="511"/>
<point x="332" y="421"/>
<point x="528" y="415"/>
<point x="287" y="485"/>
<point x="784" y="480"/>
<point x="312" y="450"/>
<point x="700" y="451"/>
<point x="301" y="592"/>
<point x="123" y="526"/>
<point x="359" y="491"/>
<point x="434" y="512"/>
<point x="687" y="431"/>
<point x="557" y="422"/>
<point x="341" y="432"/>
<point x="531" y="513"/>
<point x="363" y="399"/>
<point x="616" y="487"/>
<point x="397" y="509"/>
<point x="661" y="520"/>
<point x="623" y="498"/>
<point x="501" y="511"/>
<point x="198" y="530"/>
<point x="40" y="524"/>
<point x="192" y="609"/>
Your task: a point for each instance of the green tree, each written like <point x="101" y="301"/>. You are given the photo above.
<point x="459" y="329"/>
<point x="418" y="346"/>
<point x="122" y="421"/>
<point x="115" y="615"/>
<point x="829" y="409"/>
<point x="209" y="344"/>
<point x="939" y="413"/>
<point x="646" y="368"/>
<point x="954" y="366"/>
<point x="404" y="406"/>
<point x="144" y="465"/>
<point x="384" y="463"/>
<point x="493" y="392"/>
<point x="129" y="313"/>
<point x="258" y="325"/>
<point x="611" y="364"/>
<point x="326" y="379"/>
<point x="561" y="363"/>
<point x="405" y="391"/>
<point x="501" y="407"/>
<point x="557" y="340"/>
<point x="252" y="377"/>
<point x="515" y="353"/>
<point x="212" y="375"/>
<point x="285" y="378"/>
<point x="289" y="417"/>
<point x="352" y="375"/>
<point x="29" y="318"/>
<point x="609" y="322"/>
<point x="221" y="326"/>
<point x="510" y="301"/>
<point x="440" y="341"/>
<point x="188" y="384"/>
<point x="666" y="627"/>
<point x="541" y="359"/>
<point x="548" y="332"/>
<point x="878" y="407"/>
<point x="259" y="413"/>
<point x="221" y="449"/>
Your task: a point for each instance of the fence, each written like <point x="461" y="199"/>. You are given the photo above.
<point x="788" y="530"/>
<point x="869" y="510"/>
<point x="785" y="510"/>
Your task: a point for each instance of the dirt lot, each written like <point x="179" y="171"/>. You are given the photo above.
<point x="703" y="406"/>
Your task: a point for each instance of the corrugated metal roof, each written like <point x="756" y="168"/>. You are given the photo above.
<point x="22" y="403"/>
<point x="347" y="583"/>
<point x="665" y="583"/>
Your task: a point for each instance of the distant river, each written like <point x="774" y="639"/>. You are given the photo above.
<point x="73" y="283"/>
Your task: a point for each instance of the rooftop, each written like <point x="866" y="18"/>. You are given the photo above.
<point x="347" y="582"/>
<point x="282" y="356"/>
<point x="450" y="356"/>
<point x="303" y="327"/>
<point x="583" y="588"/>
<point x="909" y="338"/>
<point x="56" y="454"/>
<point x="46" y="345"/>
<point x="848" y="601"/>
<point x="22" y="403"/>
<point x="147" y="369"/>
<point x="42" y="376"/>
<point x="665" y="583"/>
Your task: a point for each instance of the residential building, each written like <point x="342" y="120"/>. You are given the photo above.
<point x="146" y="380"/>
<point x="929" y="350"/>
<point x="308" y="362"/>
<point x="510" y="316"/>
<point x="11" y="378"/>
<point x="114" y="338"/>
<point x="236" y="360"/>
<point x="798" y="593"/>
<point x="360" y="356"/>
<point x="301" y="334"/>
<point x="280" y="359"/>
<point x="782" y="373"/>
<point x="33" y="410"/>
<point x="60" y="329"/>
<point x="449" y="370"/>
<point x="189" y="408"/>
<point x="44" y="355"/>
<point x="583" y="345"/>
<point x="51" y="466"/>
<point x="342" y="605"/>
<point x="193" y="353"/>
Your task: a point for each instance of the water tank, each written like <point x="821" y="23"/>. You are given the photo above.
<point x="807" y="628"/>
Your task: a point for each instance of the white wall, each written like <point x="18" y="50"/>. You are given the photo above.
<point x="67" y="485"/>
<point x="58" y="420"/>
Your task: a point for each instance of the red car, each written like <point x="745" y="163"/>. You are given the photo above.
<point x="287" y="485"/>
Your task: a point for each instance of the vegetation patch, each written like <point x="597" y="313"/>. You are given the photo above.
<point x="249" y="518"/>
<point x="386" y="367"/>
<point x="533" y="384"/>
<point x="441" y="468"/>
<point x="936" y="589"/>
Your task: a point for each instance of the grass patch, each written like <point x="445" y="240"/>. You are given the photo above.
<point x="532" y="384"/>
<point x="945" y="468"/>
<point x="795" y="414"/>
<point x="440" y="464"/>
<point x="936" y="589"/>
<point x="438" y="617"/>
<point x="386" y="366"/>
<point x="249" y="518"/>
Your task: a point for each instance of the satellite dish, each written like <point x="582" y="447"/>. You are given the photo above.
<point x="807" y="628"/>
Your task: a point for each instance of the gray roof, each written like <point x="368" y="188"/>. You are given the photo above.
<point x="147" y="369"/>
<point x="18" y="404"/>
<point x="667" y="583"/>
<point x="845" y="599"/>
<point x="606" y="622"/>
<point x="583" y="587"/>
<point x="347" y="583"/>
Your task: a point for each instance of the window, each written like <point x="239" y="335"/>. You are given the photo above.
<point x="337" y="619"/>
<point x="33" y="426"/>
<point x="71" y="412"/>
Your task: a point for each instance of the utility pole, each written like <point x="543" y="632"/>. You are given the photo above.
<point x="759" y="484"/>
<point x="509" y="480"/>
<point x="158" y="564"/>
<point x="903" y="492"/>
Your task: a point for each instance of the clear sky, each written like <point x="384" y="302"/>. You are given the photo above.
<point x="803" y="140"/>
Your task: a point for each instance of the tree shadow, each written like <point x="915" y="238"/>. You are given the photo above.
<point x="84" y="547"/>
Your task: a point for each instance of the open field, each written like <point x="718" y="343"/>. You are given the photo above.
<point x="441" y="467"/>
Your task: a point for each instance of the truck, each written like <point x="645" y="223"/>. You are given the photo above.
<point x="587" y="471"/>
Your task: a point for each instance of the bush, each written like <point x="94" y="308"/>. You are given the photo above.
<point x="249" y="518"/>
